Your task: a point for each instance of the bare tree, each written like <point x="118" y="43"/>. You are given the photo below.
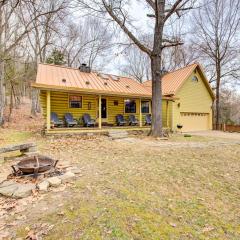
<point x="216" y="39"/>
<point x="178" y="56"/>
<point x="47" y="19"/>
<point x="85" y="41"/>
<point x="230" y="106"/>
<point x="136" y="64"/>
<point x="160" y="12"/>
<point x="16" y="22"/>
<point x="10" y="35"/>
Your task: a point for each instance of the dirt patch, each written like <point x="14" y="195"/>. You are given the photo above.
<point x="21" y="118"/>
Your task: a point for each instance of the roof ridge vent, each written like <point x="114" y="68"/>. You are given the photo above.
<point x="115" y="78"/>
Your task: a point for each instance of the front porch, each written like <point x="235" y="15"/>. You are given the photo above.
<point x="102" y="108"/>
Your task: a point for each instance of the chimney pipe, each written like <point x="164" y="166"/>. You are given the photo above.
<point x="84" y="68"/>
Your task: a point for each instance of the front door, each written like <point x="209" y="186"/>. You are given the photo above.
<point x="104" y="108"/>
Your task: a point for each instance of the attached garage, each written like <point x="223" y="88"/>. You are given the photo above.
<point x="194" y="121"/>
<point x="193" y="98"/>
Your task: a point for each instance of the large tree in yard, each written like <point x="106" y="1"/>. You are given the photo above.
<point x="160" y="12"/>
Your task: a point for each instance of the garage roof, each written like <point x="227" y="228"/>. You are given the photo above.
<point x="172" y="81"/>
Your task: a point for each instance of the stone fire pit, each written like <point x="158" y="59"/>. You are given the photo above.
<point x="20" y="184"/>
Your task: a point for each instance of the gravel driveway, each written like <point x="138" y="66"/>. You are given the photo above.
<point x="217" y="134"/>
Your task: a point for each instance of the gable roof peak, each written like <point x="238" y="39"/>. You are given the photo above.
<point x="172" y="81"/>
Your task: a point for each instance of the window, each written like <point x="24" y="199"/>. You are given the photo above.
<point x="194" y="79"/>
<point x="75" y="101"/>
<point x="145" y="106"/>
<point x="130" y="106"/>
<point x="115" y="102"/>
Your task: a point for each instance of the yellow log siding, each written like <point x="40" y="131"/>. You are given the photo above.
<point x="60" y="105"/>
<point x="193" y="97"/>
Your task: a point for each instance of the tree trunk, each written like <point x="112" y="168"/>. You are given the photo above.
<point x="35" y="99"/>
<point x="34" y="91"/>
<point x="218" y="79"/>
<point x="11" y="103"/>
<point x="156" y="96"/>
<point x="156" y="70"/>
<point x="2" y="92"/>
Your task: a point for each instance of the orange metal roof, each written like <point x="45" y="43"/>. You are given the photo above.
<point x="173" y="80"/>
<point x="51" y="76"/>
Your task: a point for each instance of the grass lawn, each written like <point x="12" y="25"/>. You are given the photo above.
<point x="141" y="190"/>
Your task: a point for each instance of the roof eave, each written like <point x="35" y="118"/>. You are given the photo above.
<point x="93" y="91"/>
<point x="87" y="91"/>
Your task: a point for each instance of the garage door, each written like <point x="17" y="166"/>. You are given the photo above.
<point x="194" y="121"/>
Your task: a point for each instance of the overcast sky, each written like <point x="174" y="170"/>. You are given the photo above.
<point x="138" y="13"/>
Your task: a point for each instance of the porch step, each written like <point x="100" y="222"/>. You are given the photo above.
<point x="117" y="134"/>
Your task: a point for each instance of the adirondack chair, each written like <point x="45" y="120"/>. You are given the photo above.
<point x="87" y="121"/>
<point x="120" y="120"/>
<point x="55" y="120"/>
<point x="148" y="119"/>
<point x="69" y="120"/>
<point x="132" y="120"/>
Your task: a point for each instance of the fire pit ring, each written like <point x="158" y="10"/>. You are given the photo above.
<point x="35" y="164"/>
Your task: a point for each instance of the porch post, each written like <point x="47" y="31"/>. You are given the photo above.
<point x="140" y="112"/>
<point x="150" y="106"/>
<point x="100" y="112"/>
<point x="48" y="110"/>
<point x="167" y="114"/>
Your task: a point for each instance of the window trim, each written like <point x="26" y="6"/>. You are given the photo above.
<point x="77" y="95"/>
<point x="131" y="99"/>
<point x="149" y="107"/>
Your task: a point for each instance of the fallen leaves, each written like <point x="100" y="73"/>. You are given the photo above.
<point x="207" y="229"/>
<point x="61" y="213"/>
<point x="4" y="235"/>
<point x="38" y="231"/>
<point x="32" y="235"/>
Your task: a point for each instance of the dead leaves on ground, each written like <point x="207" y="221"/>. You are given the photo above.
<point x="38" y="231"/>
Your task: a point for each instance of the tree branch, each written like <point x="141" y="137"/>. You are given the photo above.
<point x="176" y="8"/>
<point x="151" y="3"/>
<point x="125" y="29"/>
<point x="173" y="44"/>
